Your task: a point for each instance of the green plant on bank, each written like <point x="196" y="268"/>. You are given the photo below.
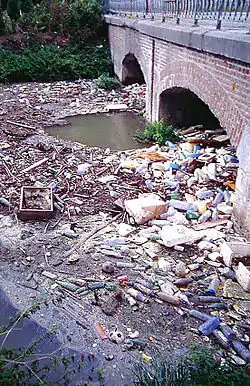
<point x="198" y="367"/>
<point x="48" y="63"/>
<point x="107" y="82"/>
<point x="25" y="366"/>
<point x="158" y="132"/>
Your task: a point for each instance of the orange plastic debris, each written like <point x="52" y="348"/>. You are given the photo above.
<point x="152" y="156"/>
<point x="230" y="184"/>
<point x="102" y="334"/>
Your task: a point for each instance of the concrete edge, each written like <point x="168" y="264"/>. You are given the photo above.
<point x="234" y="44"/>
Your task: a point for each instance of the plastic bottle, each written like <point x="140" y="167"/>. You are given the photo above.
<point x="221" y="339"/>
<point x="169" y="298"/>
<point x="137" y="295"/>
<point x="192" y="215"/>
<point x="241" y="350"/>
<point x="218" y="198"/>
<point x="170" y="144"/>
<point x="204" y="194"/>
<point x="172" y="196"/>
<point x="171" y="165"/>
<point x="213" y="286"/>
<point x="218" y="306"/>
<point x="227" y="197"/>
<point x="183" y="282"/>
<point x="205" y="216"/>
<point x="143" y="289"/>
<point x="4" y="202"/>
<point x="209" y="326"/>
<point x="210" y="299"/>
<point x="149" y="184"/>
<point x="201" y="206"/>
<point x="215" y="214"/>
<point x="170" y="212"/>
<point x="130" y="300"/>
<point x="197" y="314"/>
<point x="182" y="205"/>
<point x="227" y="331"/>
<point x="171" y="184"/>
<point x="142" y="167"/>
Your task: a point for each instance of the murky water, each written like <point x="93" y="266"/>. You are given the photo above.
<point x="103" y="130"/>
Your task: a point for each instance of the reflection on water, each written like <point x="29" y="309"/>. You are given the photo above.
<point x="103" y="130"/>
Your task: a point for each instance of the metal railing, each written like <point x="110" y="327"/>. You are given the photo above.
<point x="231" y="10"/>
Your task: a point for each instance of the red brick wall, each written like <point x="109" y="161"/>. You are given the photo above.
<point x="222" y="83"/>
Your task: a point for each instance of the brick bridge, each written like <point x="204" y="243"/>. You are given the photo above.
<point x="193" y="75"/>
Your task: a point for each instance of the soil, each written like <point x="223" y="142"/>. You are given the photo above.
<point x="72" y="245"/>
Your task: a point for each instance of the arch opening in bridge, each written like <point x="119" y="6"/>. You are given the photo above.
<point x="131" y="71"/>
<point x="182" y="108"/>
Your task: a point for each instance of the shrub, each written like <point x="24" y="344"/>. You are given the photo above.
<point x="158" y="132"/>
<point x="13" y="9"/>
<point x="83" y="20"/>
<point x="107" y="82"/>
<point x="54" y="63"/>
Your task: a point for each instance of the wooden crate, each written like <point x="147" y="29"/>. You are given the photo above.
<point x="26" y="213"/>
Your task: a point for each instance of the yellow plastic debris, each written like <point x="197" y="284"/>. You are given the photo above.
<point x="146" y="357"/>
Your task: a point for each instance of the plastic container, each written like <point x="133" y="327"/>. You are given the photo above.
<point x="243" y="352"/>
<point x="227" y="197"/>
<point x="169" y="298"/>
<point x="213" y="286"/>
<point x="218" y="198"/>
<point x="204" y="193"/>
<point x="137" y="295"/>
<point x="215" y="214"/>
<point x="201" y="206"/>
<point x="170" y="144"/>
<point x="81" y="170"/>
<point x="182" y="205"/>
<point x="192" y="215"/>
<point x="170" y="212"/>
<point x="227" y="331"/>
<point x="171" y="165"/>
<point x="209" y="326"/>
<point x="205" y="216"/>
<point x="171" y="184"/>
<point x="143" y="289"/>
<point x="149" y="184"/>
<point x="183" y="282"/>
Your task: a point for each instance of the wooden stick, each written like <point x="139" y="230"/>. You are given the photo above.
<point x="21" y="125"/>
<point x="36" y="164"/>
<point x="92" y="233"/>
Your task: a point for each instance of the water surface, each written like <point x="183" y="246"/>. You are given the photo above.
<point x="103" y="130"/>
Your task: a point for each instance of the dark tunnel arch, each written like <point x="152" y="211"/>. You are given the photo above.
<point x="181" y="107"/>
<point x="131" y="70"/>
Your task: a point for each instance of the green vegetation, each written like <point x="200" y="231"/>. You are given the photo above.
<point x="50" y="62"/>
<point x="25" y="366"/>
<point x="158" y="132"/>
<point x="199" y="367"/>
<point x="45" y="40"/>
<point x="107" y="82"/>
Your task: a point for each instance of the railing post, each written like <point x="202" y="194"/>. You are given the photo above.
<point x="196" y="13"/>
<point x="218" y="25"/>
<point x="178" y="13"/>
